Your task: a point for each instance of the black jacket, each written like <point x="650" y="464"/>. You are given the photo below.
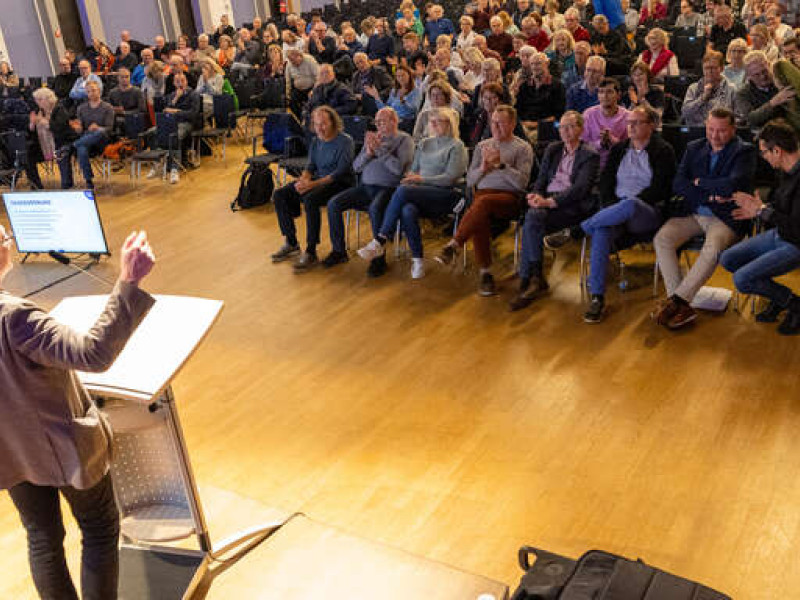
<point x="63" y="134"/>
<point x="578" y="197"/>
<point x="190" y="107"/>
<point x="662" y="163"/>
<point x="784" y="209"/>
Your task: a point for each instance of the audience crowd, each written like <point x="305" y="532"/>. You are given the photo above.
<point x="667" y="123"/>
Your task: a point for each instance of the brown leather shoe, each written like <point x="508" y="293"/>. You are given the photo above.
<point x="685" y="315"/>
<point x="664" y="311"/>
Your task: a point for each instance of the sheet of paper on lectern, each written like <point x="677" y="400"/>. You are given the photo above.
<point x="158" y="349"/>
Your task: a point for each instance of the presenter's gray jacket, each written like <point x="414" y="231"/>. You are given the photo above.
<point x="51" y="433"/>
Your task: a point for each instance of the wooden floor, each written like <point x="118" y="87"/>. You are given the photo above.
<point x="419" y="415"/>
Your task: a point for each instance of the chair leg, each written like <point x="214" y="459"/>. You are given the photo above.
<point x="583" y="283"/>
<point x="358" y="229"/>
<point x="347" y="230"/>
<point x="655" y="278"/>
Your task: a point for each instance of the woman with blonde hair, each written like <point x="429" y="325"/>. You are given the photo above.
<point x="735" y="72"/>
<point x="658" y="57"/>
<point x="552" y="19"/>
<point x="209" y="84"/>
<point x="9" y="82"/>
<point x="439" y="95"/>
<point x="761" y="39"/>
<point x="466" y="36"/>
<point x="426" y="191"/>
<point x="562" y="54"/>
<point x="508" y="23"/>
<point x="46" y="101"/>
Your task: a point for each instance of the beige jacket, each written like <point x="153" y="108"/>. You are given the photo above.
<point x="51" y="433"/>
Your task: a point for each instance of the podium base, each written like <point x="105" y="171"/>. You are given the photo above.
<point x="166" y="574"/>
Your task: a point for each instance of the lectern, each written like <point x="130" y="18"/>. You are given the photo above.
<point x="153" y="481"/>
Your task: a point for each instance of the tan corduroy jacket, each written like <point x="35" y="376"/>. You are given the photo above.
<point x="51" y="433"/>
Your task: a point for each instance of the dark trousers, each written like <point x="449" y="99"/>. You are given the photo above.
<point x="371" y="198"/>
<point x="287" y="206"/>
<point x="96" y="513"/>
<point x="409" y="203"/>
<point x="538" y="223"/>
<point x="477" y="222"/>
<point x="298" y="100"/>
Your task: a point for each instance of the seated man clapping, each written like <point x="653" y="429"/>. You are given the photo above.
<point x="382" y="162"/>
<point x="500" y="170"/>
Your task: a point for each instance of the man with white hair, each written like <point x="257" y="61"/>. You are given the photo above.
<point x="161" y="49"/>
<point x="369" y="75"/>
<point x="437" y="25"/>
<point x="609" y="44"/>
<point x="583" y="94"/>
<point x="725" y="29"/>
<point x="758" y="100"/>
<point x="542" y="96"/>
<point x="137" y="75"/>
<point x="204" y="50"/>
<point x="134" y="46"/>
<point x="78" y="93"/>
<point x="301" y="75"/>
<point x="125" y="58"/>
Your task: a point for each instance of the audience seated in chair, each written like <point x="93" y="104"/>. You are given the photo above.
<point x="756" y="261"/>
<point x="329" y="170"/>
<point x="634" y="190"/>
<point x="369" y="75"/>
<point x="427" y="190"/>
<point x="186" y="105"/>
<point x="541" y="97"/>
<point x="711" y="91"/>
<point x="711" y="172"/>
<point x="605" y="124"/>
<point x="383" y="161"/>
<point x="561" y="197"/>
<point x="583" y="94"/>
<point x="302" y="72"/>
<point x="94" y="123"/>
<point x="78" y="93"/>
<point x="499" y="174"/>
<point x="126" y="98"/>
<point x="330" y="92"/>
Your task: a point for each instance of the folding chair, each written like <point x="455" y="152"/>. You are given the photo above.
<point x="280" y="128"/>
<point x="16" y="145"/>
<point x="679" y="136"/>
<point x="689" y="50"/>
<point x="224" y="122"/>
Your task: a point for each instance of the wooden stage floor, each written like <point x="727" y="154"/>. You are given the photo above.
<point x="419" y="415"/>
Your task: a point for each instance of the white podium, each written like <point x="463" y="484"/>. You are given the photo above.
<point x="153" y="481"/>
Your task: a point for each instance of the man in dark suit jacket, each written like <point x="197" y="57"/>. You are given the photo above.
<point x="711" y="171"/>
<point x="369" y="75"/>
<point x="561" y="198"/>
<point x="53" y="439"/>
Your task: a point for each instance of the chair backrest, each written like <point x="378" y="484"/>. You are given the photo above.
<point x="166" y="128"/>
<point x="224" y="109"/>
<point x="135" y="124"/>
<point x="16" y="143"/>
<point x="356" y="126"/>
<point x="679" y="136"/>
<point x="278" y="127"/>
<point x="677" y="86"/>
<point x="159" y="103"/>
<point x="689" y="50"/>
<point x="34" y="82"/>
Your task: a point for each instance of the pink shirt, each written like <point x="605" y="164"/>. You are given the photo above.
<point x="594" y="122"/>
<point x="561" y="180"/>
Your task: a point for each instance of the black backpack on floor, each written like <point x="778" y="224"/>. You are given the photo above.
<point x="255" y="188"/>
<point x="601" y="576"/>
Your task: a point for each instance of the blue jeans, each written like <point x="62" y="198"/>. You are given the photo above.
<point x="409" y="203"/>
<point x="629" y="215"/>
<point x="89" y="141"/>
<point x="287" y="202"/>
<point x="756" y="260"/>
<point x="96" y="513"/>
<point x="371" y="198"/>
<point x="538" y="223"/>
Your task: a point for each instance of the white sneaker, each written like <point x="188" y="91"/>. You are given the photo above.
<point x="155" y="171"/>
<point x="174" y="176"/>
<point x="372" y="250"/>
<point x="417" y="268"/>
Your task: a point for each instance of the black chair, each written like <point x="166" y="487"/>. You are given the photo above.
<point x="34" y="82"/>
<point x="689" y="50"/>
<point x="225" y="119"/>
<point x="679" y="137"/>
<point x="356" y="126"/>
<point x="282" y="138"/>
<point x="15" y="144"/>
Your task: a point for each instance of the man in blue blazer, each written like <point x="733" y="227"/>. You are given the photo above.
<point x="561" y="198"/>
<point x="711" y="171"/>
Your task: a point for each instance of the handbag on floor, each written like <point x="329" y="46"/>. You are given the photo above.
<point x="599" y="575"/>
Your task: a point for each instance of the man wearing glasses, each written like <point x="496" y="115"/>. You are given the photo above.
<point x="583" y="95"/>
<point x="756" y="261"/>
<point x="633" y="188"/>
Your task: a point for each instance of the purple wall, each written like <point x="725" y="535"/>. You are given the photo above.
<point x="243" y="11"/>
<point x="23" y="38"/>
<point x="140" y="17"/>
